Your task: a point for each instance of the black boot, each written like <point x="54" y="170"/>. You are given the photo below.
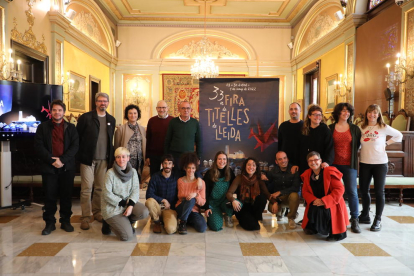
<point x="106" y="230"/>
<point x="65" y="225"/>
<point x="182" y="227"/>
<point x="364" y="218"/>
<point x="355" y="225"/>
<point x="376" y="225"/>
<point x="50" y="226"/>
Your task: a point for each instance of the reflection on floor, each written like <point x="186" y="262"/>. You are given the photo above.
<point x="274" y="250"/>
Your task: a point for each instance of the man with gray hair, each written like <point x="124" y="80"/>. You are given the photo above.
<point x="96" y="152"/>
<point x="156" y="132"/>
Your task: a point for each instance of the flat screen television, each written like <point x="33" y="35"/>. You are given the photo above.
<point x="23" y="106"/>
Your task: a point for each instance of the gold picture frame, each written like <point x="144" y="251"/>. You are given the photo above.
<point x="330" y="98"/>
<point x="77" y="92"/>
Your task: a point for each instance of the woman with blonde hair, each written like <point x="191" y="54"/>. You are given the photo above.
<point x="316" y="136"/>
<point x="373" y="162"/>
<point x="120" y="198"/>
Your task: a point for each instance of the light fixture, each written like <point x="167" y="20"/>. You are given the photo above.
<point x="118" y="43"/>
<point x="8" y="70"/>
<point x="204" y="66"/>
<point x="344" y="3"/>
<point x="71" y="14"/>
<point x="138" y="95"/>
<point x="338" y="85"/>
<point x="66" y="2"/>
<point x="339" y="16"/>
<point x="399" y="2"/>
<point x="290" y="45"/>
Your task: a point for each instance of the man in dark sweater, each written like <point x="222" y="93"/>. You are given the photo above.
<point x="289" y="135"/>
<point x="162" y="196"/>
<point x="284" y="187"/>
<point x="183" y="133"/>
<point x="57" y="143"/>
<point x="156" y="132"/>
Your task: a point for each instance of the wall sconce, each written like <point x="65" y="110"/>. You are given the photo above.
<point x="71" y="14"/>
<point x="341" y="84"/>
<point x="138" y="94"/>
<point x="344" y="3"/>
<point x="290" y="45"/>
<point x="403" y="71"/>
<point x="8" y="70"/>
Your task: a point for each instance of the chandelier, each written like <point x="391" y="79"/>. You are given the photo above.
<point x="204" y="66"/>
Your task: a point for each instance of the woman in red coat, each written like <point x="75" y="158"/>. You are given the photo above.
<point x="323" y="190"/>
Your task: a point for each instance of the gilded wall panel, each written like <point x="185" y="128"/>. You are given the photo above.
<point x="409" y="86"/>
<point x="137" y="90"/>
<point x="350" y="71"/>
<point x="58" y="63"/>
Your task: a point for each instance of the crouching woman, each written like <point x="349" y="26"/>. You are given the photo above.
<point x="120" y="196"/>
<point x="323" y="190"/>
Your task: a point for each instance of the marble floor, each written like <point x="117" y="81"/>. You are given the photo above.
<point x="273" y="250"/>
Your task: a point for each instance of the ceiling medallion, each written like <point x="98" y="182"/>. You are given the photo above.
<point x="28" y="38"/>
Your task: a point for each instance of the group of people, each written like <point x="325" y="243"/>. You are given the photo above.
<point x="111" y="162"/>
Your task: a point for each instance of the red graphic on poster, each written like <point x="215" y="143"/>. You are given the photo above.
<point x="264" y="139"/>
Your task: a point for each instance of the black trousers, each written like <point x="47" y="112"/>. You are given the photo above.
<point x="155" y="164"/>
<point x="366" y="173"/>
<point x="250" y="214"/>
<point x="58" y="186"/>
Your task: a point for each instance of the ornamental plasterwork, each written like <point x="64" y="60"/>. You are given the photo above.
<point x="409" y="85"/>
<point x="28" y="38"/>
<point x="322" y="25"/>
<point x="204" y="46"/>
<point x="85" y="23"/>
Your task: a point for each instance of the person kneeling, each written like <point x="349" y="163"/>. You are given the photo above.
<point x="120" y="196"/>
<point x="323" y="190"/>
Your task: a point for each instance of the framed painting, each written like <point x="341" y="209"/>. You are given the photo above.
<point x="330" y="93"/>
<point x="77" y="91"/>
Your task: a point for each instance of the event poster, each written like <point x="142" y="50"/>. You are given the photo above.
<point x="240" y="117"/>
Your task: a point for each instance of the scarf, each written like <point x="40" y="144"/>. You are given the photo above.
<point x="134" y="128"/>
<point x="124" y="175"/>
<point x="249" y="188"/>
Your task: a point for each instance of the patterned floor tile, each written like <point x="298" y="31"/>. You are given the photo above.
<point x="43" y="249"/>
<point x="259" y="249"/>
<point x="151" y="249"/>
<point x="364" y="249"/>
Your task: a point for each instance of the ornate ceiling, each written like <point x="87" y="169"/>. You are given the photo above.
<point x="221" y="12"/>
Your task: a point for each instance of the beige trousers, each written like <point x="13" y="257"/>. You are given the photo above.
<point x="292" y="201"/>
<point x="169" y="217"/>
<point x="92" y="177"/>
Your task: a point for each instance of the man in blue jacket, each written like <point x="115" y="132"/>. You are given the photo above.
<point x="162" y="197"/>
<point x="57" y="143"/>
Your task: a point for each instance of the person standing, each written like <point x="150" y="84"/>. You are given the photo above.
<point x="131" y="135"/>
<point x="289" y="135"/>
<point x="374" y="162"/>
<point x="347" y="140"/>
<point x="57" y="143"/>
<point x="96" y="152"/>
<point x="183" y="134"/>
<point x="156" y="131"/>
<point x="284" y="187"/>
<point x="316" y="136"/>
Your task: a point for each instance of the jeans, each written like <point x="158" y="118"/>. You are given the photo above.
<point x="366" y="173"/>
<point x="184" y="212"/>
<point x="349" y="178"/>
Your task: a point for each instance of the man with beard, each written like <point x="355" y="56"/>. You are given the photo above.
<point x="57" y="142"/>
<point x="162" y="197"/>
<point x="96" y="152"/>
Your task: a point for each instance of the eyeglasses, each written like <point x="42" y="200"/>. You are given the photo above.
<point x="101" y="101"/>
<point x="185" y="108"/>
<point x="316" y="115"/>
<point x="313" y="160"/>
<point x="161" y="107"/>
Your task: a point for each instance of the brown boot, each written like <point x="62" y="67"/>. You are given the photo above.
<point x="157" y="227"/>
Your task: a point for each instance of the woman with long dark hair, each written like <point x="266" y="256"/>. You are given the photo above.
<point x="347" y="140"/>
<point x="316" y="136"/>
<point x="252" y="195"/>
<point x="218" y="180"/>
<point x="374" y="162"/>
